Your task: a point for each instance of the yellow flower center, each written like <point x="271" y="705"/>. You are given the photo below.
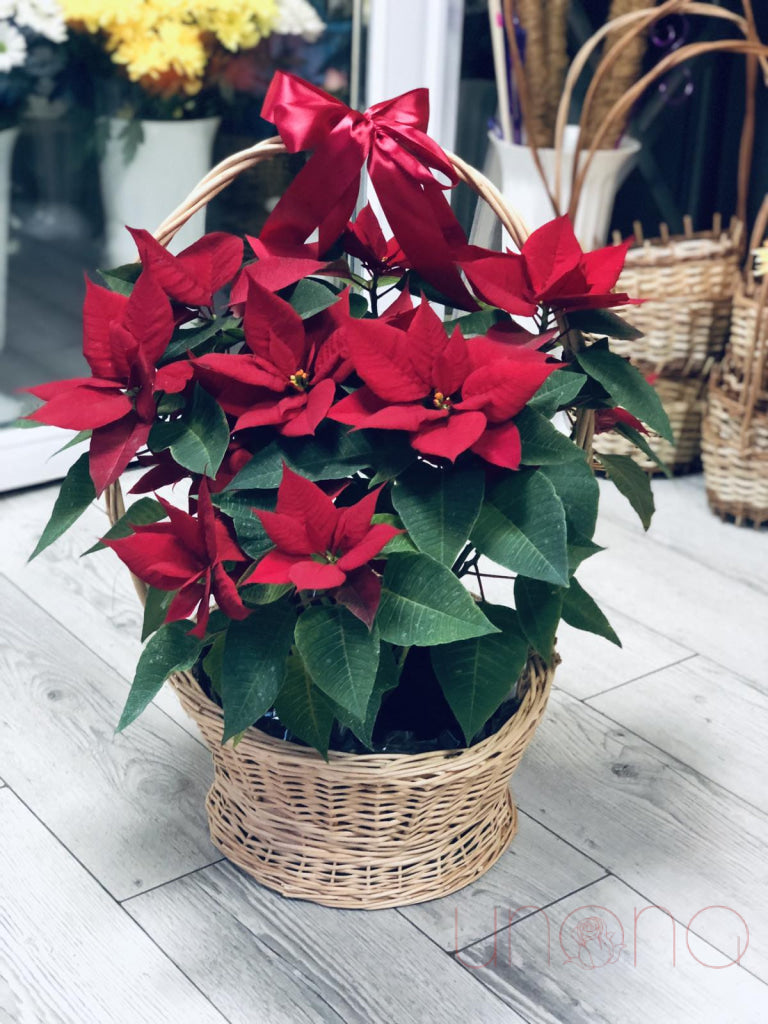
<point x="300" y="380"/>
<point x="441" y="401"/>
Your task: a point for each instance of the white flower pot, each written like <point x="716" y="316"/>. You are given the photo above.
<point x="170" y="161"/>
<point x="7" y="142"/>
<point x="523" y="188"/>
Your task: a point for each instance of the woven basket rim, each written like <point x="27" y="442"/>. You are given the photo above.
<point x="532" y="704"/>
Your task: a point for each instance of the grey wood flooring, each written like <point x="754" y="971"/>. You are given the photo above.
<point x="635" y="891"/>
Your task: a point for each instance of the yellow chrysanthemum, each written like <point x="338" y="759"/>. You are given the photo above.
<point x="152" y="37"/>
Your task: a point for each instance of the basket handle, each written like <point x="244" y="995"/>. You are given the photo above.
<point x="638" y="22"/>
<point x="622" y="106"/>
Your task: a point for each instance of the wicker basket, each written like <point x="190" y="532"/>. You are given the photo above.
<point x="688" y="281"/>
<point x="735" y="459"/>
<point x="735" y="427"/>
<point x="684" y="402"/>
<point x="363" y="831"/>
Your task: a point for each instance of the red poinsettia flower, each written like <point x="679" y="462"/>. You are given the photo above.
<point x="450" y="395"/>
<point x="365" y="240"/>
<point x="196" y="274"/>
<point x="320" y="546"/>
<point x="122" y="341"/>
<point x="607" y="419"/>
<point x="288" y="380"/>
<point x="186" y="554"/>
<point x="551" y="270"/>
<point x="277" y="267"/>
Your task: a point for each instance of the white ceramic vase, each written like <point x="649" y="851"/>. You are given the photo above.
<point x="523" y="188"/>
<point x="7" y="142"/>
<point x="169" y="162"/>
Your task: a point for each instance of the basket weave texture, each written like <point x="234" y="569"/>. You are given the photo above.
<point x="364" y="830"/>
<point x="684" y="401"/>
<point x="688" y="282"/>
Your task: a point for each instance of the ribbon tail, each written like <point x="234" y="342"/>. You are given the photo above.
<point x="424" y="226"/>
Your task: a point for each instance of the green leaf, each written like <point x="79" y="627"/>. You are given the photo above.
<point x="253" y="664"/>
<point x="141" y="513"/>
<point x="199" y="439"/>
<point x="264" y="471"/>
<point x="76" y="494"/>
<point x="171" y="649"/>
<point x="633" y="482"/>
<point x="475" y="323"/>
<point x="156" y="605"/>
<point x="576" y="487"/>
<point x="341" y="654"/>
<point x="522" y="527"/>
<point x="189" y="339"/>
<point x="358" y="305"/>
<point x="579" y="550"/>
<point x="387" y="678"/>
<point x="24" y="424"/>
<point x="640" y="442"/>
<point x="627" y="387"/>
<point x="439" y="507"/>
<point x="402" y="542"/>
<point x="559" y="389"/>
<point x="80" y="436"/>
<point x="477" y="675"/>
<point x="423" y="603"/>
<point x="603" y="321"/>
<point x="539" y="606"/>
<point x="581" y="612"/>
<point x="121" y="279"/>
<point x="310" y="297"/>
<point x="257" y="594"/>
<point x="303" y="708"/>
<point x="542" y="442"/>
<point x="213" y="662"/>
<point x="239" y="505"/>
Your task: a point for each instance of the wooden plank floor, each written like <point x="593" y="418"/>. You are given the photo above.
<point x="644" y="788"/>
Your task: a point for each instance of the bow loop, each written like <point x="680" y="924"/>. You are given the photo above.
<point x="390" y="138"/>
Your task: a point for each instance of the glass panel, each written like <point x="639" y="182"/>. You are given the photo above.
<point x="60" y="166"/>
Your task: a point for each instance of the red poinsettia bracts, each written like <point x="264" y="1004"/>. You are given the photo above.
<point x="551" y="270"/>
<point x="288" y="380"/>
<point x="123" y="340"/>
<point x="450" y="395"/>
<point x="365" y="240"/>
<point x="187" y="555"/>
<point x="607" y="419"/>
<point x="320" y="546"/>
<point x="196" y="274"/>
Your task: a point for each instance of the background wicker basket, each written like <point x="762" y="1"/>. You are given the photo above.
<point x="361" y="831"/>
<point x="689" y="282"/>
<point x="684" y="400"/>
<point x="735" y="427"/>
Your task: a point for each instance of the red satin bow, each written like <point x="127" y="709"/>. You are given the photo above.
<point x="391" y="138"/>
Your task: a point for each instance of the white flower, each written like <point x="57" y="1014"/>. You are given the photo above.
<point x="42" y="16"/>
<point x="298" y="18"/>
<point x="13" y="47"/>
<point x="7" y="9"/>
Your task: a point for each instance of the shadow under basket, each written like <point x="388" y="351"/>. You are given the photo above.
<point x="688" y="283"/>
<point x="735" y="457"/>
<point x="364" y="830"/>
<point x="684" y="402"/>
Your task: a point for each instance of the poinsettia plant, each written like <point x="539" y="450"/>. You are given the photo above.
<point x="341" y="467"/>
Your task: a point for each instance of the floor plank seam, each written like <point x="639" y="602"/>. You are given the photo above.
<point x="170" y="881"/>
<point x="536" y="910"/>
<point x="548" y="828"/>
<point x="178" y="966"/>
<point x="635" y="679"/>
<point x="651" y="903"/>
<point x="118" y="675"/>
<point x="678" y="762"/>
